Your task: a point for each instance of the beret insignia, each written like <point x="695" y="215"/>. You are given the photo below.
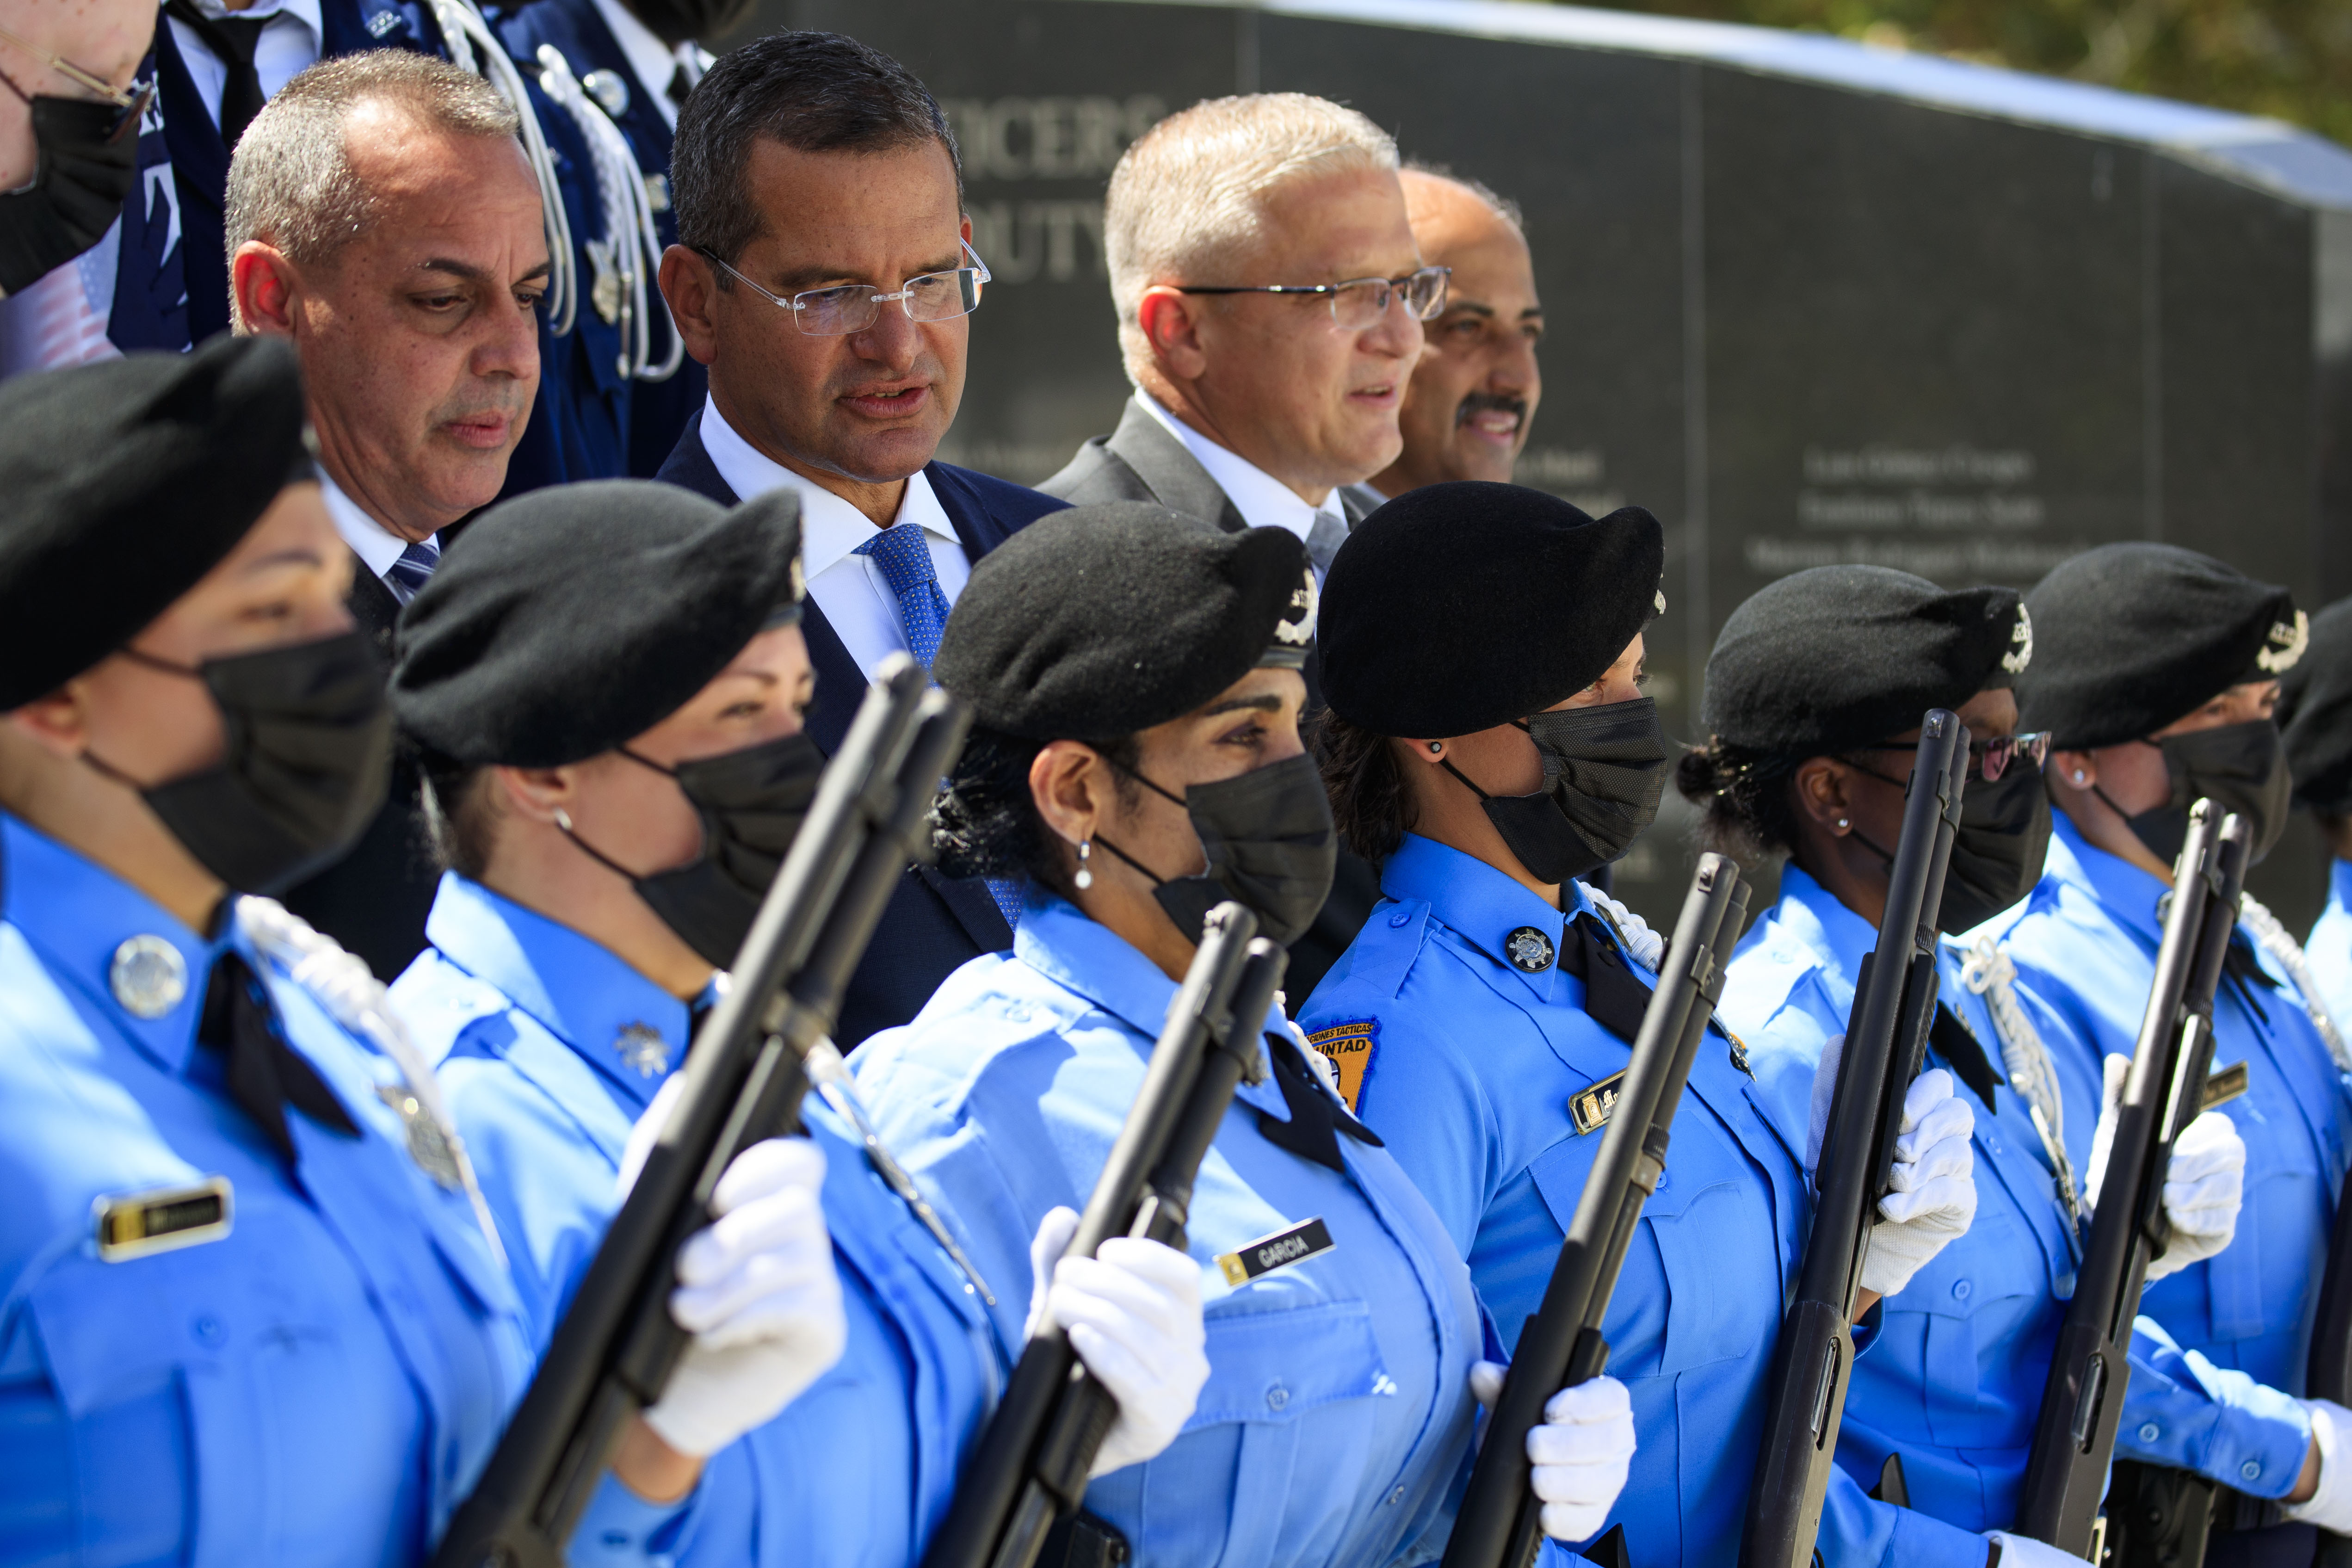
<point x="2021" y="638"/>
<point x="2284" y="645"/>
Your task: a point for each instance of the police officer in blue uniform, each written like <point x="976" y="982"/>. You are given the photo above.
<point x="1814" y="694"/>
<point x="1136" y="678"/>
<point x="251" y="1307"/>
<point x="607" y="684"/>
<point x="1487" y="745"/>
<point x="2314" y="714"/>
<point x="2154" y="673"/>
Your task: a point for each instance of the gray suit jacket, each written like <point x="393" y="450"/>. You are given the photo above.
<point x="1142" y="461"/>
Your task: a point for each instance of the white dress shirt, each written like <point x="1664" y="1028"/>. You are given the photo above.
<point x="1263" y="501"/>
<point x="849" y="590"/>
<point x="288" y="46"/>
<point x="376" y="546"/>
<point x="653" y="62"/>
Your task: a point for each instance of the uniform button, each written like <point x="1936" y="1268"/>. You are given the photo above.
<point x="2150" y="1432"/>
<point x="2252" y="1469"/>
<point x="1401" y="918"/>
<point x="1396" y="1497"/>
<point x="1017" y="1015"/>
<point x="1277" y="1397"/>
<point x="210" y="1330"/>
<point x="1961" y="1289"/>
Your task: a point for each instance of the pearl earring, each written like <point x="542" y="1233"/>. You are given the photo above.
<point x="2078" y="775"/>
<point x="1435" y="747"/>
<point x="1846" y="822"/>
<point x="562" y="819"/>
<point x="1085" y="878"/>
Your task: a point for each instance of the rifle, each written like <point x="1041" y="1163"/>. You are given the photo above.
<point x="1029" y="1469"/>
<point x="1886" y="1036"/>
<point x="1499" y="1524"/>
<point x="614" y="1352"/>
<point x="2081" y="1402"/>
<point x="2329" y="1375"/>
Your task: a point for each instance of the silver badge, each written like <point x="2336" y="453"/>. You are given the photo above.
<point x="610" y="93"/>
<point x="148" y="976"/>
<point x="1529" y="949"/>
<point x="643" y="1050"/>
<point x="657" y="193"/>
<point x="605" y="292"/>
<point x="427" y="1145"/>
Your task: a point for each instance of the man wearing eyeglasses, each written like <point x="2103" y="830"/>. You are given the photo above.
<point x="824" y="274"/>
<point x="1270" y="298"/>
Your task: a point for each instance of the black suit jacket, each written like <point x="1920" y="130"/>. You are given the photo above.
<point x="1140" y="460"/>
<point x="374" y="899"/>
<point x="934" y="924"/>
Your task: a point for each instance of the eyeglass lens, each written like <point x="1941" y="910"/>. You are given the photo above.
<point x="1363" y="302"/>
<point x="1994" y="756"/>
<point x="851" y="307"/>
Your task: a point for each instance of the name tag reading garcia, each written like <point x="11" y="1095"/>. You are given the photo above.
<point x="138" y="1224"/>
<point x="1302" y="1241"/>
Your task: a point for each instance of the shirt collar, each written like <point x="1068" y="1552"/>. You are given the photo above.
<point x="1263" y="501"/>
<point x="303" y="11"/>
<point x="830" y="527"/>
<point x="2339" y="880"/>
<point x="651" y="61"/>
<point x="1827" y="929"/>
<point x="77" y="915"/>
<point x="627" y="1028"/>
<point x="376" y="546"/>
<point x="1081" y="954"/>
<point x="2126" y="892"/>
<point x="1483" y="905"/>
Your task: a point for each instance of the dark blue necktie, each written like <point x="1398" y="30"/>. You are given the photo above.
<point x="406" y="577"/>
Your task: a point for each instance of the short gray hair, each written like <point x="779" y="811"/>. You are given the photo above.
<point x="291" y="182"/>
<point x="1502" y="206"/>
<point x="1191" y="192"/>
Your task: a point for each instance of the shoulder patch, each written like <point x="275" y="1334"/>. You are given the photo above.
<point x="1349" y="1047"/>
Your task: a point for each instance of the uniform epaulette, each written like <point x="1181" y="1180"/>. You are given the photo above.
<point x="438" y="1017"/>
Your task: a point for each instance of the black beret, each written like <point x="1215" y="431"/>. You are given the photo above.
<point x="2316" y="711"/>
<point x="567" y="621"/>
<point x="2136" y="636"/>
<point x="1456" y="607"/>
<point x="1840" y="656"/>
<point x="125" y="483"/>
<point x="1098" y="621"/>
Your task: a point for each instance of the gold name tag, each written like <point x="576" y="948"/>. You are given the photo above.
<point x="1592" y="1109"/>
<point x="138" y="1223"/>
<point x="2224" y="1086"/>
<point x="1267" y="1253"/>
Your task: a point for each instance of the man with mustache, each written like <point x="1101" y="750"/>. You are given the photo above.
<point x="381" y="215"/>
<point x="823" y="272"/>
<point x="1270" y="300"/>
<point x="1473" y="393"/>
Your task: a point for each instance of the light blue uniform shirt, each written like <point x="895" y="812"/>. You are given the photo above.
<point x="2329" y="950"/>
<point x="1954" y="1383"/>
<point x="550" y="1048"/>
<point x="2085" y="942"/>
<point x="1473" y="1064"/>
<point x="321" y="1385"/>
<point x="1338" y="1411"/>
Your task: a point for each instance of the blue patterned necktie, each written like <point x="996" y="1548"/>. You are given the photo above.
<point x="905" y="556"/>
<point x="406" y="577"/>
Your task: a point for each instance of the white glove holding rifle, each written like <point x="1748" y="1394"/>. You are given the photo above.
<point x="2203" y="1185"/>
<point x="1133" y="1314"/>
<point x="756" y="1289"/>
<point x="1931" y="1195"/>
<point x="1580" y="1453"/>
<point x="2330" y="1507"/>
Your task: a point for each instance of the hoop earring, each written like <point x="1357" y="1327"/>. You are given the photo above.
<point x="1085" y="878"/>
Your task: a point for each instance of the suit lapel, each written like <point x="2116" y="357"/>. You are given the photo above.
<point x="964" y="513"/>
<point x="373" y="608"/>
<point x="840" y="684"/>
<point x="689" y="466"/>
<point x="1173" y="475"/>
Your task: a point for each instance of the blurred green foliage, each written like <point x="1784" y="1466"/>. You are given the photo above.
<point x="2288" y="58"/>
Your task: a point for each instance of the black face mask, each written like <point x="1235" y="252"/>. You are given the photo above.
<point x="1997" y="855"/>
<point x="751" y="804"/>
<point x="2240" y="768"/>
<point x="308" y="761"/>
<point x="1604" y="769"/>
<point x="675" y="22"/>
<point x="1270" y="844"/>
<point x="89" y="161"/>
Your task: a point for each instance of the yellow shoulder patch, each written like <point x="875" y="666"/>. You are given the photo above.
<point x="1349" y="1048"/>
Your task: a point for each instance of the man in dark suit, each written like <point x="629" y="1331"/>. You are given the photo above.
<point x="1270" y="300"/>
<point x="409" y="288"/>
<point x="823" y="276"/>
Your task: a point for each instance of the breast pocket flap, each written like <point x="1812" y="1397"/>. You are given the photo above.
<point x="1273" y="1366"/>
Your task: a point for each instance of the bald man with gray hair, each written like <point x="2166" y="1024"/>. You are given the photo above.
<point x="1270" y="298"/>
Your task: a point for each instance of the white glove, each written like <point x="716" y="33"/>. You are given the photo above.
<point x="1580" y="1452"/>
<point x="1648" y="948"/>
<point x="758" y="1292"/>
<point x="1932" y="1189"/>
<point x="2203" y="1185"/>
<point x="2330" y="1507"/>
<point x="2024" y="1551"/>
<point x="1133" y="1314"/>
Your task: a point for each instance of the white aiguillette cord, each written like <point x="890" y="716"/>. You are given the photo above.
<point x="1987" y="971"/>
<point x="472" y="46"/>
<point x="344" y="985"/>
<point x="2289" y="954"/>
